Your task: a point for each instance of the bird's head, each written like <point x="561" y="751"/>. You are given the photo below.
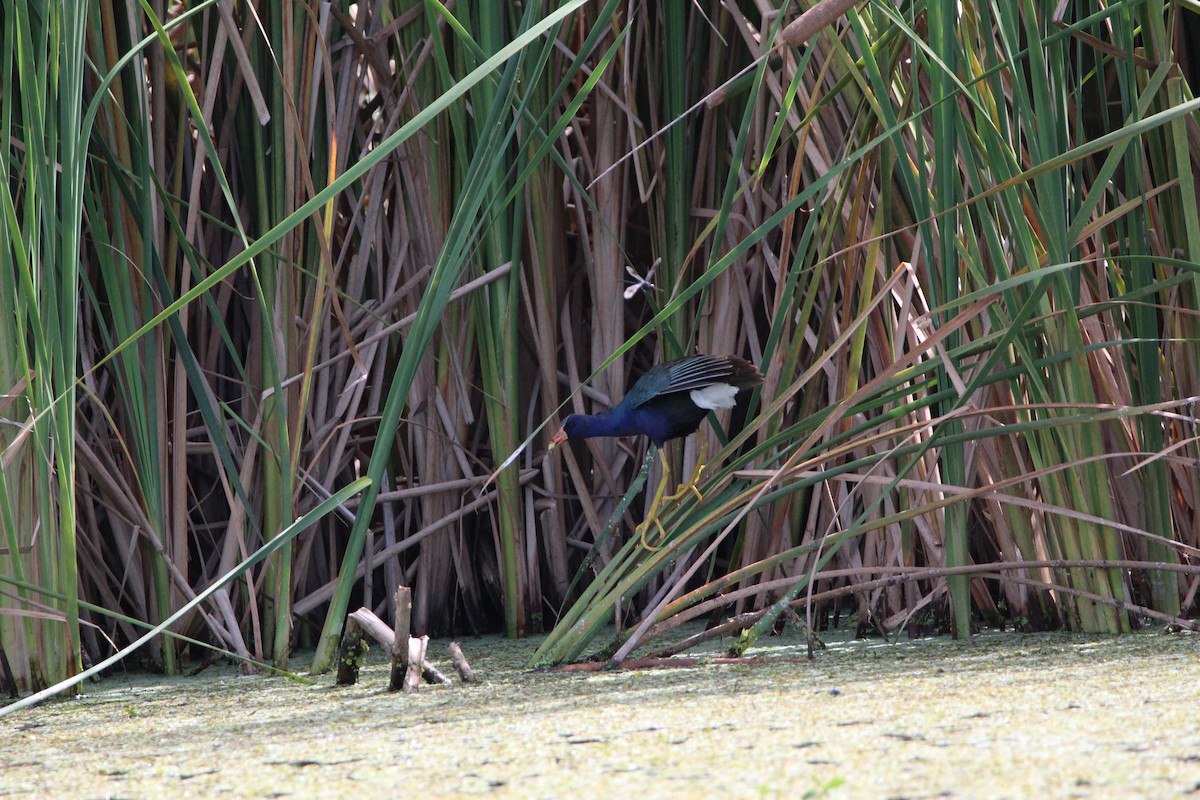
<point x="570" y="426"/>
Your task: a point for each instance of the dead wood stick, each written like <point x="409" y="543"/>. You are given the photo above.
<point x="400" y="644"/>
<point x="380" y="632"/>
<point x="432" y="674"/>
<point x="416" y="657"/>
<point x="350" y="653"/>
<point x="460" y="663"/>
<point x="374" y="626"/>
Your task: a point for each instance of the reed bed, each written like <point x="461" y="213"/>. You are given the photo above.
<point x="260" y="251"/>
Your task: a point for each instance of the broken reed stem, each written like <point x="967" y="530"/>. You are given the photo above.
<point x="373" y="626"/>
<point x="364" y="622"/>
<point x="401" y="653"/>
<point x="460" y="663"/>
<point x="432" y="674"/>
<point x="350" y="653"/>
<point x="416" y="656"/>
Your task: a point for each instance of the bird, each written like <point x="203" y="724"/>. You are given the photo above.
<point x="668" y="402"/>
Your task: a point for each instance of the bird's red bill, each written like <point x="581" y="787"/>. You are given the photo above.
<point x="558" y="438"/>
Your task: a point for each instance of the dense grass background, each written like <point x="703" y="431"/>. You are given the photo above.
<point x="256" y="251"/>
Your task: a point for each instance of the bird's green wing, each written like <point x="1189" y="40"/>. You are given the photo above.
<point x="684" y="375"/>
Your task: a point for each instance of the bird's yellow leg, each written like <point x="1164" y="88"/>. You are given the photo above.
<point x="690" y="484"/>
<point x="661" y="498"/>
<point x="652" y="512"/>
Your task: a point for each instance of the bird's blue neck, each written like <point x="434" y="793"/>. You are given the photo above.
<point x="614" y="422"/>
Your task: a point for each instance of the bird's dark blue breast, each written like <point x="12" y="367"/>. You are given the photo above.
<point x="668" y="416"/>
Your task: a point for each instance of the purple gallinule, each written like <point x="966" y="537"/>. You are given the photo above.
<point x="668" y="402"/>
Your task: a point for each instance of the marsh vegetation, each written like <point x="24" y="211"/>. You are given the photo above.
<point x="292" y="291"/>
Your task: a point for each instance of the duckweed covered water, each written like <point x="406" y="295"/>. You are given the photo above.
<point x="1000" y="716"/>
